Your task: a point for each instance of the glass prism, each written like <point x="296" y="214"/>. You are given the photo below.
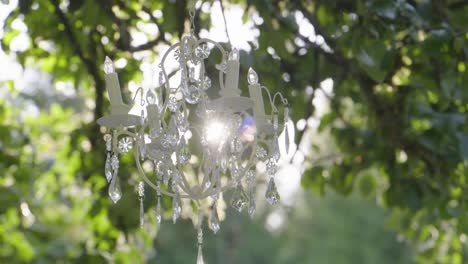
<point x="214" y="220"/>
<point x="239" y="198"/>
<point x="115" y="192"/>
<point x="272" y="195"/>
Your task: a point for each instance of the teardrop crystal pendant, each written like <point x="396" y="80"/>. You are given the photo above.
<point x="200" y="255"/>
<point x="176" y="209"/>
<point x="108" y="168"/>
<point x="272" y="195"/>
<point x="214" y="220"/>
<point x="115" y="192"/>
<point x="184" y="153"/>
<point x="239" y="198"/>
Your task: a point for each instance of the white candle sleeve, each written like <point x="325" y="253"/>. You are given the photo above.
<point x="153" y="113"/>
<point x="255" y="92"/>
<point x="232" y="79"/>
<point x="113" y="89"/>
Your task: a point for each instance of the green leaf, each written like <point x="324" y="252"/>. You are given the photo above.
<point x="313" y="179"/>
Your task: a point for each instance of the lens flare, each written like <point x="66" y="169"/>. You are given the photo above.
<point x="247" y="129"/>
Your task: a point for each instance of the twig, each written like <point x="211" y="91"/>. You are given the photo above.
<point x="225" y="22"/>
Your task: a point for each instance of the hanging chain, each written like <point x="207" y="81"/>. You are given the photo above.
<point x="191" y="9"/>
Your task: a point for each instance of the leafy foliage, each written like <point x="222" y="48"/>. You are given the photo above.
<point x="397" y="112"/>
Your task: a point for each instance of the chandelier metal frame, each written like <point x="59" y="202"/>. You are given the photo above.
<point x="234" y="133"/>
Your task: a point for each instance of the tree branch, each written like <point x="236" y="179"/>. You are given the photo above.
<point x="458" y="4"/>
<point x="90" y="64"/>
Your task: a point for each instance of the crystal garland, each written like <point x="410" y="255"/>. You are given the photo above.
<point x="227" y="133"/>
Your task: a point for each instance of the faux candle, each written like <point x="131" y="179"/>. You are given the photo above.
<point x="232" y="75"/>
<point x="255" y="92"/>
<point x="112" y="86"/>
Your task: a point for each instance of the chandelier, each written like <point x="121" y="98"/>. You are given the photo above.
<point x="199" y="142"/>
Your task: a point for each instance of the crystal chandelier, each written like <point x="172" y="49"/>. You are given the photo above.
<point x="199" y="143"/>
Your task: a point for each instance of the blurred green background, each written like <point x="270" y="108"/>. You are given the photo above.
<point x="378" y="98"/>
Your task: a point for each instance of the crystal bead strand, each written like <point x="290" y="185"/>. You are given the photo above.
<point x="176" y="209"/>
<point x="158" y="206"/>
<point x="141" y="197"/>
<point x="167" y="171"/>
<point x="183" y="154"/>
<point x="275" y="147"/>
<point x="251" y="182"/>
<point x="176" y="202"/>
<point x="108" y="166"/>
<point x="217" y="184"/>
<point x="141" y="138"/>
<point x="200" y="238"/>
<point x="161" y="84"/>
<point x="286" y="130"/>
<point x="214" y="220"/>
<point x="207" y="171"/>
<point x="158" y="195"/>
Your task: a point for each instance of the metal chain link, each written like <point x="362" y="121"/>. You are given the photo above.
<point x="191" y="9"/>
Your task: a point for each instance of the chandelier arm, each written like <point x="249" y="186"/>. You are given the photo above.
<point x="166" y="92"/>
<point x="166" y="77"/>
<point x="223" y="54"/>
<point x="273" y="107"/>
<point x="185" y="185"/>
<point x="209" y="190"/>
<point x="283" y="100"/>
<point x="199" y="170"/>
<point x="139" y="90"/>
<point x="149" y="182"/>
